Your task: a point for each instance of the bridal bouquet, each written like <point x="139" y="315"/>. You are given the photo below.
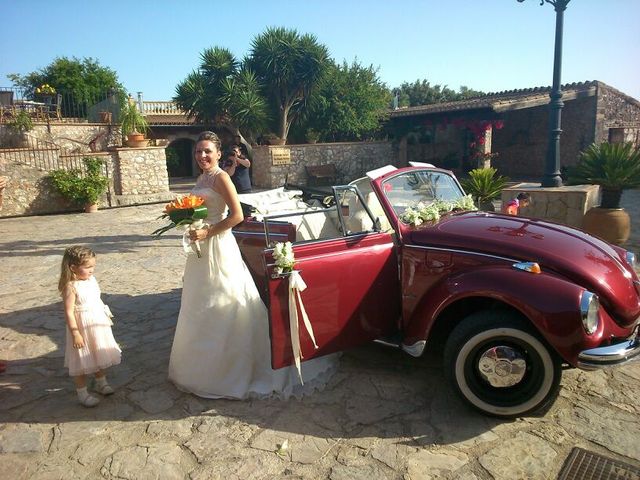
<point x="185" y="210"/>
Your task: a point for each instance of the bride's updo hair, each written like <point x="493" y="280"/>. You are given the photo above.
<point x="211" y="137"/>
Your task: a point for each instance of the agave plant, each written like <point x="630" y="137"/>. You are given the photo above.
<point x="615" y="167"/>
<point x="483" y="185"/>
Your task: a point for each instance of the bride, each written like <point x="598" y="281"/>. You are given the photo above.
<point x="221" y="345"/>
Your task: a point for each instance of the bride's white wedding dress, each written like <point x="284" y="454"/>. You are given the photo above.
<point x="221" y="346"/>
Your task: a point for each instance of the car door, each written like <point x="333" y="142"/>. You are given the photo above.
<point x="352" y="294"/>
<point x="250" y="236"/>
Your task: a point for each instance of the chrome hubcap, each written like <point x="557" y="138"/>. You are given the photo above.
<point x="502" y="366"/>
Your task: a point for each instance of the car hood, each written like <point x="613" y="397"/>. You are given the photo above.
<point x="576" y="255"/>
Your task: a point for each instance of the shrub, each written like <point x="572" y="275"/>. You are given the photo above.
<point x="20" y="123"/>
<point x="81" y="188"/>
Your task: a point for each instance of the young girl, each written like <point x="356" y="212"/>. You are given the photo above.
<point x="90" y="344"/>
<point x="512" y="207"/>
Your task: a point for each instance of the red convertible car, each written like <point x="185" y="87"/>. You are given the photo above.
<point x="512" y="299"/>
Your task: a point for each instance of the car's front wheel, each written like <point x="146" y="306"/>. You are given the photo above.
<point x="499" y="365"/>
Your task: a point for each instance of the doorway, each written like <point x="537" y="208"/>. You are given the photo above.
<point x="180" y="158"/>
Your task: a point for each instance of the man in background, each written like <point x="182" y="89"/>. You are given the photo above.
<point x="237" y="166"/>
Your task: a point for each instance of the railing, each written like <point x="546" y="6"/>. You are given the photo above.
<point x="43" y="155"/>
<point x="33" y="152"/>
<point x="61" y="106"/>
<point x="161" y="108"/>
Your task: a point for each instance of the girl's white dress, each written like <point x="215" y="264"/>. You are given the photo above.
<point x="221" y="346"/>
<point x="94" y="323"/>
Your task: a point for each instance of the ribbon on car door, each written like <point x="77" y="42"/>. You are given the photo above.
<point x="297" y="285"/>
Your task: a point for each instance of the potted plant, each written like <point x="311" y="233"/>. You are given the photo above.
<point x="484" y="186"/>
<point x="615" y="167"/>
<point x="19" y="125"/>
<point x="82" y="188"/>
<point x="134" y="125"/>
<point x="46" y="93"/>
<point x="312" y="135"/>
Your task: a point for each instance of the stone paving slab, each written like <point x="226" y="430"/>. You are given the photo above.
<point x="384" y="415"/>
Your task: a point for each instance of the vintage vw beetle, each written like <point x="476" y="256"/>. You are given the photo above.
<point x="512" y="299"/>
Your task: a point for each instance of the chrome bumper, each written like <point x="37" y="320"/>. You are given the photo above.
<point x="611" y="355"/>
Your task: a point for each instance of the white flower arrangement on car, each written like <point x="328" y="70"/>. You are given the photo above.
<point x="283" y="255"/>
<point x="284" y="263"/>
<point x="432" y="212"/>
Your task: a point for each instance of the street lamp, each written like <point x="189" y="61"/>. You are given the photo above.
<point x="551" y="177"/>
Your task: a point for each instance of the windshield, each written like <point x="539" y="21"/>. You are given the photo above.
<point x="423" y="186"/>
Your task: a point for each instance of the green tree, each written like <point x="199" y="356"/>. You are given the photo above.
<point x="466" y="92"/>
<point x="421" y="92"/>
<point x="85" y="79"/>
<point x="288" y="65"/>
<point x="349" y="103"/>
<point x="223" y="91"/>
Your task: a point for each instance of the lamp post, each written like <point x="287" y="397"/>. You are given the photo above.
<point x="551" y="177"/>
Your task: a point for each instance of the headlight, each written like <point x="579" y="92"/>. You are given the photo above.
<point x="631" y="259"/>
<point x="589" y="306"/>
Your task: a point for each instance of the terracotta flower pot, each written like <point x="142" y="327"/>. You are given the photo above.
<point x="106" y="117"/>
<point x="91" y="208"/>
<point x="136" y="140"/>
<point x="610" y="224"/>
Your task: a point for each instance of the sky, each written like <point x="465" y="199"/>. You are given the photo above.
<point x="487" y="45"/>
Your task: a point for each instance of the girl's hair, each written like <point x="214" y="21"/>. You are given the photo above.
<point x="211" y="137"/>
<point x="73" y="256"/>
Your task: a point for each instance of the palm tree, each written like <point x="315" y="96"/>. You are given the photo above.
<point x="289" y="66"/>
<point x="221" y="91"/>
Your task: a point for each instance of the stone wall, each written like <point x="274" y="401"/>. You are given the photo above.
<point x="615" y="110"/>
<point x="445" y="146"/>
<point x="135" y="176"/>
<point x="566" y="205"/>
<point x="521" y="144"/>
<point x="352" y="160"/>
<point x="30" y="193"/>
<point x="141" y="175"/>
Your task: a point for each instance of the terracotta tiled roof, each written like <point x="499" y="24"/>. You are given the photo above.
<point x="502" y="101"/>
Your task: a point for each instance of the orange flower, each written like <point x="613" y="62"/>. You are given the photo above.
<point x="184" y="202"/>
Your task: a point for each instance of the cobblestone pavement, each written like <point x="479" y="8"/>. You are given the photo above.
<point x="385" y="415"/>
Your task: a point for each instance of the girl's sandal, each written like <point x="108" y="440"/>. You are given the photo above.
<point x="104" y="389"/>
<point x="90" y="401"/>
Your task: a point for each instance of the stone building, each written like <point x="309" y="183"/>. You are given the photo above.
<point x="509" y="129"/>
